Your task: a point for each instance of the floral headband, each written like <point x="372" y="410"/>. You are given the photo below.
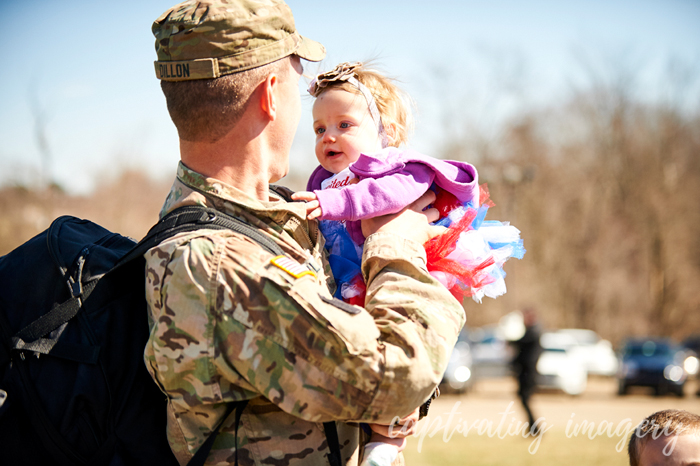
<point x="345" y="72"/>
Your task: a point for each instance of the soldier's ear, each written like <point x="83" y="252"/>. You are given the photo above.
<point x="268" y="96"/>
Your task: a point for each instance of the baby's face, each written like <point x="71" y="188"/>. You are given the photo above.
<point x="344" y="128"/>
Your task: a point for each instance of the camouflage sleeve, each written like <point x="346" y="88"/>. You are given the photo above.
<point x="418" y="320"/>
<point x="229" y="324"/>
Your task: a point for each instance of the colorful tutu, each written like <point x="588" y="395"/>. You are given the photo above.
<point x="468" y="258"/>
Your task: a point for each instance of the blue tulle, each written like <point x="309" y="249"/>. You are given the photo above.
<point x="345" y="257"/>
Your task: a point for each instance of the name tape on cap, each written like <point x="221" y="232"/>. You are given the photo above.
<point x="204" y="68"/>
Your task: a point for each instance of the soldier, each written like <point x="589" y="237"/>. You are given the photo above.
<point x="232" y="322"/>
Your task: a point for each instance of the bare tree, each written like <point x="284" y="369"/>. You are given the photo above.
<point x="40" y="117"/>
<point x="604" y="188"/>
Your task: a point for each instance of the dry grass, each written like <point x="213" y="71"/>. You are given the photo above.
<point x="591" y="429"/>
<point x="128" y="205"/>
<point x="554" y="448"/>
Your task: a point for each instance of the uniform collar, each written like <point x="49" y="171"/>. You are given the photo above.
<point x="230" y="199"/>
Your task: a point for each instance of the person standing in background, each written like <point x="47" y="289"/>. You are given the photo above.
<point x="527" y="352"/>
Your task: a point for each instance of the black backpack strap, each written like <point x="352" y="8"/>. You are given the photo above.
<point x="239" y="411"/>
<point x="32" y="337"/>
<point x="282" y="191"/>
<point x="191" y="218"/>
<point x="334" y="457"/>
<point x="188" y="218"/>
<point x="201" y="456"/>
<point x="50" y="321"/>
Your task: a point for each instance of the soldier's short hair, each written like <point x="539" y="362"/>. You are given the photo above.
<point x="662" y="423"/>
<point x="205" y="110"/>
<point x="212" y="54"/>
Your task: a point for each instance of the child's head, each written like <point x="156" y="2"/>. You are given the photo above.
<point x="357" y="110"/>
<point x="668" y="437"/>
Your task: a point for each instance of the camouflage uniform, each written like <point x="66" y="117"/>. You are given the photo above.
<point x="229" y="322"/>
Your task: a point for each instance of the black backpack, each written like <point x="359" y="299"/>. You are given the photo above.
<point x="74" y="389"/>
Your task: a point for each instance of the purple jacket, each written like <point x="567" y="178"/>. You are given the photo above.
<point x="389" y="181"/>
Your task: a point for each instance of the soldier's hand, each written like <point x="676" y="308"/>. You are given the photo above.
<point x="412" y="223"/>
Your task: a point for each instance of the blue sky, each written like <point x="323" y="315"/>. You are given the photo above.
<point x="85" y="67"/>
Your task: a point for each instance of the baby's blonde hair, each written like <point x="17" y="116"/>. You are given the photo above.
<point x="393" y="103"/>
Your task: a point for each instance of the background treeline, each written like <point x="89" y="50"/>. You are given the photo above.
<point x="606" y="192"/>
<point x="605" y="189"/>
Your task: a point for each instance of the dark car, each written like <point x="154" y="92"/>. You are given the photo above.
<point x="692" y="362"/>
<point x="693" y="343"/>
<point x="655" y="363"/>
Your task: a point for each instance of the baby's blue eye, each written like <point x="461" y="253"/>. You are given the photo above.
<point x="319" y="130"/>
<point x="345" y="125"/>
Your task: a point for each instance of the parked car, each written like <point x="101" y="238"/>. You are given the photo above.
<point x="596" y="354"/>
<point x="459" y="375"/>
<point x="491" y="354"/>
<point x="692" y="360"/>
<point x="558" y="367"/>
<point x="692" y="343"/>
<point x="652" y="362"/>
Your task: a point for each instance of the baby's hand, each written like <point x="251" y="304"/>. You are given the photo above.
<point x="313" y="208"/>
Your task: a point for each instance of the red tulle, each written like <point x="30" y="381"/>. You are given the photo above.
<point x="485" y="196"/>
<point x="438" y="248"/>
<point x="358" y="300"/>
<point x="445" y="202"/>
<point x="359" y="285"/>
<point x="442" y="245"/>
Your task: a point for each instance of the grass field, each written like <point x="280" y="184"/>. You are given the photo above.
<point x="584" y="430"/>
<point x="554" y="448"/>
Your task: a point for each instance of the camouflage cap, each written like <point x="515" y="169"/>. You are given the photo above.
<point x="211" y="38"/>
